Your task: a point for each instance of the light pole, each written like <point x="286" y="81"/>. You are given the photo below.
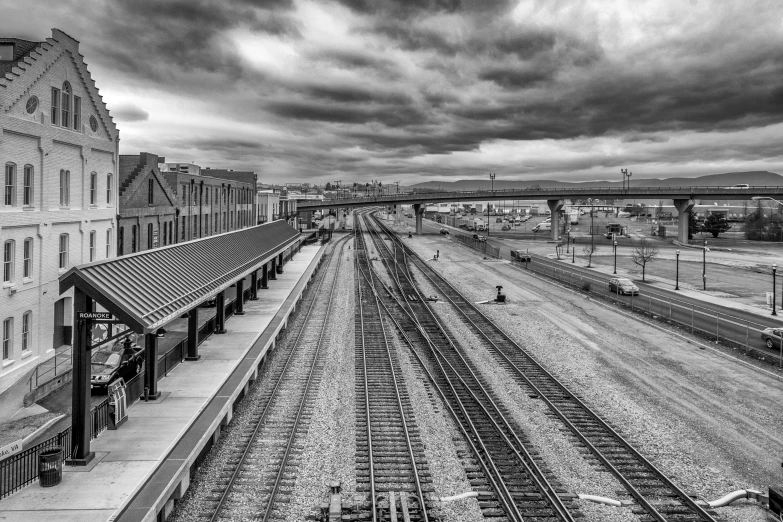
<point x="677" y="281"/>
<point x="573" y="253"/>
<point x="592" y="232"/>
<point x="626" y="174"/>
<point x="704" y="266"/>
<point x="615" y="256"/>
<point x="774" y="269"/>
<point x="492" y="180"/>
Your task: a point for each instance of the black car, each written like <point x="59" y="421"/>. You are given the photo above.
<point x="124" y="358"/>
<point x="444" y="231"/>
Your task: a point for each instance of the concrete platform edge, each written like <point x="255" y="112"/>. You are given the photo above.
<point x="172" y="488"/>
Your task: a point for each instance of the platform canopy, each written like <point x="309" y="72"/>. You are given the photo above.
<point x="148" y="289"/>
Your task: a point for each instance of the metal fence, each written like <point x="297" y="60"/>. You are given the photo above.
<point x="717" y="326"/>
<point x="21" y="469"/>
<point x="48" y="370"/>
<point x="481" y="246"/>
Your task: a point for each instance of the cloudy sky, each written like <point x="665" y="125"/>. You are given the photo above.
<point x="415" y="90"/>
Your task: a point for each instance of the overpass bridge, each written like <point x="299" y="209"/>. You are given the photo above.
<point x="684" y="199"/>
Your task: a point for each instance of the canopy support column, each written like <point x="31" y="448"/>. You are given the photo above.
<point x="254" y="286"/>
<point x="240" y="302"/>
<point x="151" y="366"/>
<point x="265" y="276"/>
<point x="273" y="270"/>
<point x="220" y="313"/>
<point x="80" y="394"/>
<point x="683" y="206"/>
<point x="280" y="261"/>
<point x="193" y="336"/>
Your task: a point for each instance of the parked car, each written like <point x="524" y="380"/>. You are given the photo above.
<point x="444" y="231"/>
<point x="623" y="286"/>
<point x="463" y="225"/>
<point x="524" y="218"/>
<point x="124" y="358"/>
<point x="505" y="228"/>
<point x="498" y="220"/>
<point x="482" y="239"/>
<point x="772" y="337"/>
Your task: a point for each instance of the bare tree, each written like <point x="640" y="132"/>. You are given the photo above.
<point x="589" y="249"/>
<point x="644" y="251"/>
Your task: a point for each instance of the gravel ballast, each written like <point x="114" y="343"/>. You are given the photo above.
<point x="691" y="413"/>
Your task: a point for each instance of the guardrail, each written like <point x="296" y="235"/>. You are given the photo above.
<point x="717" y="326"/>
<point x="21" y="469"/>
<point x="481" y="246"/>
<point x="51" y="369"/>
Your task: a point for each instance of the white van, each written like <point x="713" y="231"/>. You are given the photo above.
<point x="542" y="227"/>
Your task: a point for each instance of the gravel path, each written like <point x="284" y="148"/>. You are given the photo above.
<point x="693" y="414"/>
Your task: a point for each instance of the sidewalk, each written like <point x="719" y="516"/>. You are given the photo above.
<point x="196" y="398"/>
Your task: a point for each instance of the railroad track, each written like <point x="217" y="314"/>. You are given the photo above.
<point x="514" y="484"/>
<point x="259" y="476"/>
<point x="656" y="496"/>
<point x="390" y="462"/>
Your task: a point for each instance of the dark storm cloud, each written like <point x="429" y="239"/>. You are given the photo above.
<point x="129" y="113"/>
<point x="402" y="8"/>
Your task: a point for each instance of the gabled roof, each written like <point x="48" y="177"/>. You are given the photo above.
<point x="148" y="289"/>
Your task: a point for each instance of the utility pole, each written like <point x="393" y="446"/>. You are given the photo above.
<point x="492" y="180"/>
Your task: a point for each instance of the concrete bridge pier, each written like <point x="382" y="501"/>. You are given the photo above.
<point x="554" y="207"/>
<point x="683" y="206"/>
<point x="418" y="212"/>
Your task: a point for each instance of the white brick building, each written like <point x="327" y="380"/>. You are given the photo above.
<point x="58" y="150"/>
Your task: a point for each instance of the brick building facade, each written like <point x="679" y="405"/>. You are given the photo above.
<point x="58" y="149"/>
<point x="148" y="205"/>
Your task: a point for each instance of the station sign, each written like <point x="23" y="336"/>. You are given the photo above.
<point x="95" y="316"/>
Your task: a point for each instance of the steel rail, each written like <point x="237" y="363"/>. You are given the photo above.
<point x="517" y="447"/>
<point x="262" y="418"/>
<point x="408" y="442"/>
<point x="638" y="496"/>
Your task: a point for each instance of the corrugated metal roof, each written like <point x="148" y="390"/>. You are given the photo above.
<point x="148" y="289"/>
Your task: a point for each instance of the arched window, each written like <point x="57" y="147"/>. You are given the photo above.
<point x="9" y="248"/>
<point x="66" y="105"/>
<point x="9" y="193"/>
<point x="27" y="192"/>
<point x="92" y="245"/>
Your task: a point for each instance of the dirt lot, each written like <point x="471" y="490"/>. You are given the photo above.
<point x="713" y="424"/>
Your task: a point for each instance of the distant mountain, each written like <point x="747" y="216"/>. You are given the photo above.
<point x="753" y="178"/>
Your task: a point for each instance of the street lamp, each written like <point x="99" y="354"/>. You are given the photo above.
<point x="704" y="265"/>
<point x="573" y="252"/>
<point x="592" y="232"/>
<point x="492" y="179"/>
<point x="774" y="269"/>
<point x="615" y="256"/>
<point x="677" y="283"/>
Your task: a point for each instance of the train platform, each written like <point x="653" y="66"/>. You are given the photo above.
<point x="139" y="469"/>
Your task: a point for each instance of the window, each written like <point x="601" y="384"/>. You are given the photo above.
<point x="32" y="105"/>
<point x="27" y="321"/>
<point x="108" y="188"/>
<point x="149" y="236"/>
<point x="120" y="239"/>
<point x="8" y="261"/>
<point x="150" y="191"/>
<point x="8" y="336"/>
<point x="63" y="250"/>
<point x="108" y="243"/>
<point x="93" y="124"/>
<point x="183" y="230"/>
<point x="66" y="105"/>
<point x="195" y="193"/>
<point x="171" y="231"/>
<point x="9" y="194"/>
<point x="65" y="187"/>
<point x="133" y="239"/>
<point x="195" y="226"/>
<point x="165" y="234"/>
<point x="55" y="106"/>
<point x="27" y="192"/>
<point x="93" y="188"/>
<point x="92" y="245"/>
<point x="27" y="258"/>
<point x="77" y="113"/>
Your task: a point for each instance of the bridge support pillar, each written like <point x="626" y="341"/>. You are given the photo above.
<point x="554" y="207"/>
<point x="683" y="206"/>
<point x="418" y="213"/>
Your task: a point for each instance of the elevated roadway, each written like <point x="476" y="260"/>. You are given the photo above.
<point x="684" y="199"/>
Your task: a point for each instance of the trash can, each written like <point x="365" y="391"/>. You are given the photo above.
<point x="50" y="467"/>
